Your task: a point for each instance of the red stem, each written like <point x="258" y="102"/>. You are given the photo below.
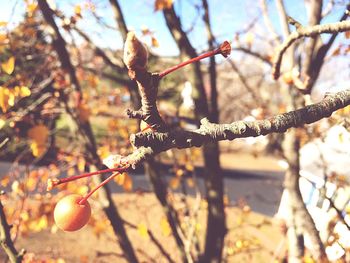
<point x="76" y="177"/>
<point x="85" y="198"/>
<point x="192" y="60"/>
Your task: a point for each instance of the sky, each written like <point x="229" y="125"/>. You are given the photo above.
<point x="227" y="17"/>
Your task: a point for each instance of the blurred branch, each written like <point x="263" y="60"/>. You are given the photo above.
<point x="305" y="32"/>
<point x="119" y="17"/>
<point x="328" y="8"/>
<point x="214" y="111"/>
<point x="154" y="240"/>
<point x="314" y="8"/>
<point x="263" y="58"/>
<point x="319" y="56"/>
<point x="6" y="241"/>
<point x="268" y="22"/>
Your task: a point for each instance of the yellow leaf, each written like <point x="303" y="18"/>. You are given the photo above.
<point x="189" y="167"/>
<point x="3" y="38"/>
<point x="77" y="10"/>
<point x="120" y="178"/>
<point x="143" y="231"/>
<point x="127" y="185"/>
<point x="4" y="98"/>
<point x="2" y="123"/>
<point x="155" y="42"/>
<point x="31" y="7"/>
<point x="8" y="66"/>
<point x="179" y="172"/>
<point x="24" y="91"/>
<point x="37" y="149"/>
<point x="71" y="171"/>
<point x="3" y="23"/>
<point x="103" y="151"/>
<point x="31" y="183"/>
<point x="81" y="164"/>
<point x="17" y="187"/>
<point x="165" y="227"/>
<point x="174" y="183"/>
<point x="5" y="181"/>
<point x="239" y="243"/>
<point x="308" y="259"/>
<point x="82" y="189"/>
<point x="162" y="4"/>
<point x="190" y="182"/>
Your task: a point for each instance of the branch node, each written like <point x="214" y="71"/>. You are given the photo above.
<point x="293" y="22"/>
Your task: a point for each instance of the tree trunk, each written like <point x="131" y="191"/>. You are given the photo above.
<point x="300" y="221"/>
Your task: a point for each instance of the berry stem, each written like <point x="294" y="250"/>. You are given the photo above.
<point x="52" y="182"/>
<point x="224" y="49"/>
<point x="85" y="198"/>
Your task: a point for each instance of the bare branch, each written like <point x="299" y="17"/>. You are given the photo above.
<point x="149" y="144"/>
<point x="257" y="55"/>
<point x="268" y="22"/>
<point x="6" y="241"/>
<point x="305" y="32"/>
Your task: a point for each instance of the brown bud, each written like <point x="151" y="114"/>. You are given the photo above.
<point x="135" y="53"/>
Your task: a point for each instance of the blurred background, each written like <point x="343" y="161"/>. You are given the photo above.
<point x="64" y="91"/>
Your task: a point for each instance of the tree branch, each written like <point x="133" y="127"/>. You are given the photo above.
<point x="305" y="32"/>
<point x="149" y="144"/>
<point x="6" y="241"/>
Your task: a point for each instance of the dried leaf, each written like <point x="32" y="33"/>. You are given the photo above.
<point x="347" y="34"/>
<point x="8" y="66"/>
<point x="165" y="227"/>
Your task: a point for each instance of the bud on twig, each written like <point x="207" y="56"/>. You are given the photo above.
<point x="135" y="53"/>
